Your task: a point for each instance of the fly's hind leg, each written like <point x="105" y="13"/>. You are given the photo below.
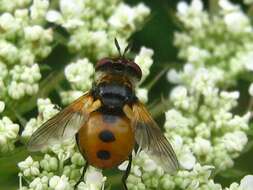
<point x="82" y="176"/>
<point x="127" y="172"/>
<point x="84" y="168"/>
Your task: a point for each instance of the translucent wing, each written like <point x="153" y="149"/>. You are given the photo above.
<point x="63" y="125"/>
<point x="150" y="138"/>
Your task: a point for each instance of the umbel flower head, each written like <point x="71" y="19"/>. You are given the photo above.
<point x="224" y="52"/>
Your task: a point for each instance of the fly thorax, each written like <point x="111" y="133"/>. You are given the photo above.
<point x="113" y="95"/>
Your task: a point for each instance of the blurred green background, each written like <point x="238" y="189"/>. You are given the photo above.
<point x="157" y="34"/>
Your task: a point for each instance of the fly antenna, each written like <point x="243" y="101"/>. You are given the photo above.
<point x="117" y="46"/>
<point x="129" y="46"/>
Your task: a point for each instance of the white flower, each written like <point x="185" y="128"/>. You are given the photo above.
<point x="8" y="51"/>
<point x="247" y="182"/>
<point x="2" y="106"/>
<point x="237" y="22"/>
<point x="54" y="16"/>
<point x="59" y="183"/>
<point x="39" y="183"/>
<point x="196" y="55"/>
<point x="77" y="159"/>
<point x="99" y="38"/>
<point x="8" y="134"/>
<point x="251" y="89"/>
<point x="202" y="146"/>
<point x="247" y="60"/>
<point x="38" y="10"/>
<point x="230" y="95"/>
<point x="123" y="17"/>
<point x="49" y="163"/>
<point x="179" y="98"/>
<point x="149" y="166"/>
<point x="29" y="167"/>
<point x="235" y="141"/>
<point x="94" y="180"/>
<point x="144" y="60"/>
<point x="24" y="80"/>
<point x="182" y="7"/>
<point x="70" y="96"/>
<point x="197" y="5"/>
<point x="71" y="8"/>
<point x="63" y="149"/>
<point x="30" y="128"/>
<point x="175" y="119"/>
<point x="228" y="6"/>
<point x="142" y="94"/>
<point x="46" y="110"/>
<point x="186" y="158"/>
<point x="8" y="23"/>
<point x="79" y="74"/>
<point x="33" y="33"/>
<point x="173" y="76"/>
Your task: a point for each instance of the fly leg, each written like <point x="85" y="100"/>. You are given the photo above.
<point x="127" y="172"/>
<point x="81" y="178"/>
<point x="85" y="167"/>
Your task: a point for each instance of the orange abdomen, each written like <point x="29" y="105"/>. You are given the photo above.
<point x="106" y="140"/>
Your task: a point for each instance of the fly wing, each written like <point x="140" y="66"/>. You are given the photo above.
<point x="151" y="139"/>
<point x="63" y="125"/>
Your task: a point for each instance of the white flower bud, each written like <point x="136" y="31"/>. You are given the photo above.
<point x="247" y="182"/>
<point x="144" y="60"/>
<point x="2" y="106"/>
<point x="142" y="94"/>
<point x="29" y="167"/>
<point x="54" y="16"/>
<point x="235" y="141"/>
<point x="237" y="22"/>
<point x="33" y="33"/>
<point x="49" y="163"/>
<point x="59" y="183"/>
<point x="251" y="89"/>
<point x="202" y="146"/>
<point x="79" y="74"/>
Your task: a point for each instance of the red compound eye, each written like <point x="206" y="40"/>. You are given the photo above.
<point x="121" y="65"/>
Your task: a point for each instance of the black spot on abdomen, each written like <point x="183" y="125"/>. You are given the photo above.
<point x="106" y="136"/>
<point x="103" y="155"/>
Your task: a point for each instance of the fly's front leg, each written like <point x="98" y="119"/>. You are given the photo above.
<point x="127" y="172"/>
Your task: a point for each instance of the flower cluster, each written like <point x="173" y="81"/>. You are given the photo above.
<point x="80" y="76"/>
<point x="146" y="174"/>
<point x="231" y="53"/>
<point x="8" y="134"/>
<point x="61" y="166"/>
<point x="92" y="26"/>
<point x="201" y="117"/>
<point x="204" y="133"/>
<point x="23" y="42"/>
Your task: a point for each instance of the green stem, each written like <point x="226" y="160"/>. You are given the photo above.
<point x="160" y="108"/>
<point x="213" y="6"/>
<point x="157" y="77"/>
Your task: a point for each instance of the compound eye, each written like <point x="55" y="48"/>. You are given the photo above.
<point x="117" y="67"/>
<point x="103" y="63"/>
